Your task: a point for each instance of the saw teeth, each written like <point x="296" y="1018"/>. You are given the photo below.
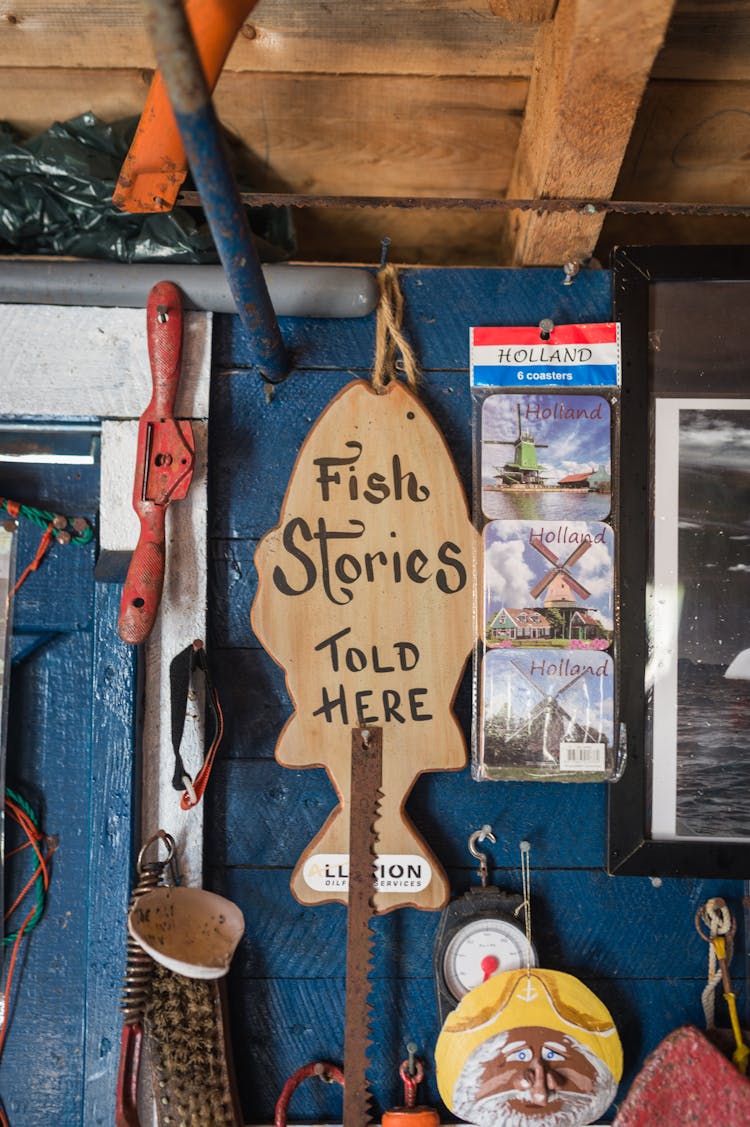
<point x="370" y="961"/>
<point x="365" y="813"/>
<point x="377" y="818"/>
<point x="372" y="1118"/>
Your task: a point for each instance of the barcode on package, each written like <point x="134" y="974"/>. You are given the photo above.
<point x="582" y="757"/>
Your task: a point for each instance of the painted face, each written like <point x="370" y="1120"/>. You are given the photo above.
<point x="536" y="1070"/>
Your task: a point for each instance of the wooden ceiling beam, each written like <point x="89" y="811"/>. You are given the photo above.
<point x="444" y="37"/>
<point x="524" y="11"/>
<point x="592" y="65"/>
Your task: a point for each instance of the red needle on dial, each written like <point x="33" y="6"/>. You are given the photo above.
<point x="488" y="965"/>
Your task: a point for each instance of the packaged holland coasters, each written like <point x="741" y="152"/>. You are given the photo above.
<point x="546" y="409"/>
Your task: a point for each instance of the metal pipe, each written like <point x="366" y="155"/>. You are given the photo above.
<point x="207" y="156"/>
<point x="295" y="291"/>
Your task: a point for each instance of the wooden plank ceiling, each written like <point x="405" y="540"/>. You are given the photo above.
<point x="646" y="100"/>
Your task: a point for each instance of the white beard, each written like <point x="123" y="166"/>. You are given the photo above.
<point x="577" y="1108"/>
<point x="494" y="1111"/>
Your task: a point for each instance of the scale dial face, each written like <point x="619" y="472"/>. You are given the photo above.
<point x="481" y="948"/>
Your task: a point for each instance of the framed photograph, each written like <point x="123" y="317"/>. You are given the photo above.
<point x="682" y="805"/>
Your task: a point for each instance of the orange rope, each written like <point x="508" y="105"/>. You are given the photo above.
<point x="9" y="980"/>
<point x="34" y="836"/>
<point x="41" y="551"/>
<point x="41" y="867"/>
<point x="19" y="899"/>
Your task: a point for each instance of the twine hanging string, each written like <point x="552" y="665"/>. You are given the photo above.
<point x="715" y="923"/>
<point x="389" y="337"/>
<point x="525" y="905"/>
<point x="719" y="922"/>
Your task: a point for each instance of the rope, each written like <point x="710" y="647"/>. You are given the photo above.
<point x="22" y="813"/>
<point x="721" y="925"/>
<point x="388" y="335"/>
<point x="717" y="917"/>
<point x="41" y="552"/>
<point x="78" y="529"/>
<point x="56" y="526"/>
<point x="525" y="906"/>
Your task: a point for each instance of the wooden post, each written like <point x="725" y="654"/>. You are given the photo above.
<point x="523" y="11"/>
<point x="591" y="68"/>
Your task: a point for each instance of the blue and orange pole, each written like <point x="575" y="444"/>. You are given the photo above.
<point x="199" y="128"/>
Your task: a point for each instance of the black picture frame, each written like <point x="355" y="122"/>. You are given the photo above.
<point x="669" y="322"/>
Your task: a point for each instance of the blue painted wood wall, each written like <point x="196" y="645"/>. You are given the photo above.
<point x="633" y="943"/>
<point x="70" y="754"/>
<point x="71" y="750"/>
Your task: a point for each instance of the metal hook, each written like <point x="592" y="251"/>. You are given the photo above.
<point x="481" y="835"/>
<point x="385" y="242"/>
<point x="546" y="328"/>
<point x="160" y="835"/>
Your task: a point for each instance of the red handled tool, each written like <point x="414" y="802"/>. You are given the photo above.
<point x="164" y="465"/>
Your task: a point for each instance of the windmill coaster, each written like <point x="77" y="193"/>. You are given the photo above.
<point x="548" y="583"/>
<point x="546" y="457"/>
<point x="547" y="714"/>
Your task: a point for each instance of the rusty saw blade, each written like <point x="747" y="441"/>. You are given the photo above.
<point x="364" y="809"/>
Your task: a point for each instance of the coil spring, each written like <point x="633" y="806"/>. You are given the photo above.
<point x="139" y="967"/>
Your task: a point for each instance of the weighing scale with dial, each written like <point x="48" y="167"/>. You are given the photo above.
<point x="478" y="936"/>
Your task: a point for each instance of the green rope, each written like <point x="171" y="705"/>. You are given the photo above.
<point x="44" y="519"/>
<point x="38" y="883"/>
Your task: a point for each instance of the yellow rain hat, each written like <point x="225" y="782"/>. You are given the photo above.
<point x="515" y="999"/>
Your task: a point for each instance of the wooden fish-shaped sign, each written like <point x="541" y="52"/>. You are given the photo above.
<point x="366" y="601"/>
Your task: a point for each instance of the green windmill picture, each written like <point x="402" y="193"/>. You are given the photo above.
<point x="525" y="468"/>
